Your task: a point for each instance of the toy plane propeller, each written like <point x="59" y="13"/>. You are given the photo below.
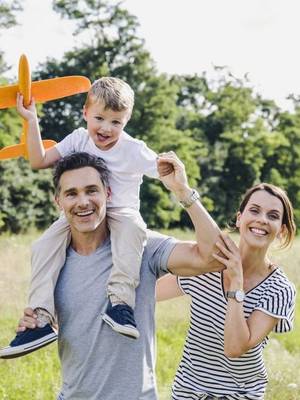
<point x="49" y="89"/>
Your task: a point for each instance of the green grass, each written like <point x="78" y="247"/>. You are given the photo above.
<point x="37" y="376"/>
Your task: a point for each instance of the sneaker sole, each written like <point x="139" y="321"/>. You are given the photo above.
<point x="18" y="351"/>
<point x="122" y="329"/>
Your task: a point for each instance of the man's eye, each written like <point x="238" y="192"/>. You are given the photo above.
<point x="92" y="190"/>
<point x="99" y="118"/>
<point x="254" y="211"/>
<point x="71" y="194"/>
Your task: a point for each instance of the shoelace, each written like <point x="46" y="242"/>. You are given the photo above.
<point x="126" y="313"/>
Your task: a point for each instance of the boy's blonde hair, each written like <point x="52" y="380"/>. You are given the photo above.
<point x="116" y="94"/>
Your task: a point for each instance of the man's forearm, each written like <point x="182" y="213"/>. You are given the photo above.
<point x="191" y="258"/>
<point x="206" y="230"/>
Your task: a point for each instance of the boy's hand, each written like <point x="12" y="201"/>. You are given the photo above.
<point x="172" y="173"/>
<point x="164" y="168"/>
<point x="29" y="113"/>
<point x="29" y="320"/>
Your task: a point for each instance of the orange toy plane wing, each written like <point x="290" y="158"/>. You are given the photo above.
<point x="48" y="89"/>
<point x="45" y="90"/>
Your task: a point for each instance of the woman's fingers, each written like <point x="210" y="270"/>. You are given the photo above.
<point x="221" y="259"/>
<point x="227" y="253"/>
<point x="229" y="243"/>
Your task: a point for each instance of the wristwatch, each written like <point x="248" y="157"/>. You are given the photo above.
<point x="238" y="295"/>
<point x="194" y="196"/>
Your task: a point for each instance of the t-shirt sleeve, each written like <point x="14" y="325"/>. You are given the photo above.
<point x="147" y="161"/>
<point x="279" y="302"/>
<point x="74" y="142"/>
<point x="188" y="284"/>
<point x="158" y="250"/>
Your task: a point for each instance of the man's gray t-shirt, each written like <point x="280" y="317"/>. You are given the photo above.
<point x="98" y="363"/>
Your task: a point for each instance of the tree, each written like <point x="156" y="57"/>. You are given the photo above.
<point x="228" y="137"/>
<point x="8" y="125"/>
<point x="25" y="196"/>
<point x="8" y="10"/>
<point x="222" y="115"/>
<point x="116" y="50"/>
<point x="282" y="165"/>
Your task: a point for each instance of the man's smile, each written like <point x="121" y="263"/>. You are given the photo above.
<point x="84" y="213"/>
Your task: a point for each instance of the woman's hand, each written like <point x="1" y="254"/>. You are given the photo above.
<point x="232" y="261"/>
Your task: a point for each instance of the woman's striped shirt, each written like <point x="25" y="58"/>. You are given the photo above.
<point x="204" y="369"/>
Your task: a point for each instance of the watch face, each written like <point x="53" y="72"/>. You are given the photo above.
<point x="239" y="295"/>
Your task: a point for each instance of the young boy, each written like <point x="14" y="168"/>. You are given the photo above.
<point x="107" y="110"/>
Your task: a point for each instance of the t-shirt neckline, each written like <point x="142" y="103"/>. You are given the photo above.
<point x="252" y="289"/>
<point x="112" y="149"/>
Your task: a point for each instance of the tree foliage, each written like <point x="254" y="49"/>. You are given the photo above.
<point x="8" y="11"/>
<point x="25" y="196"/>
<point x="228" y="136"/>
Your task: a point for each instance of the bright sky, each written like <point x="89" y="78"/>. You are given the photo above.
<point x="258" y="37"/>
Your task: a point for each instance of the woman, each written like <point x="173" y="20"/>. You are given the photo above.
<point x="233" y="312"/>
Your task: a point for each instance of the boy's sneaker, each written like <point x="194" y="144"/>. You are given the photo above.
<point x="28" y="341"/>
<point x="121" y="319"/>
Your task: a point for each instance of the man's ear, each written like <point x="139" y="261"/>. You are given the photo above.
<point x="108" y="193"/>
<point x="238" y="219"/>
<point x="56" y="198"/>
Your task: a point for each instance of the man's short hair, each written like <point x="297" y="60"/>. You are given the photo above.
<point x="76" y="161"/>
<point x="116" y="94"/>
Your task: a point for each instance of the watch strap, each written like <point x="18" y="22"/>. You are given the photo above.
<point x="194" y="196"/>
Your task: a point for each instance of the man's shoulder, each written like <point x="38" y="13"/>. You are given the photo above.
<point x="157" y="252"/>
<point x="158" y="242"/>
<point x="153" y="236"/>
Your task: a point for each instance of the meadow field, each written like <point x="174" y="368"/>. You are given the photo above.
<point x="37" y="376"/>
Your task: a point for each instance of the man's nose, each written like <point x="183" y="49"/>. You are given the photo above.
<point x="83" y="200"/>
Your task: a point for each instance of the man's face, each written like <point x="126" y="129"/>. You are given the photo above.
<point x="83" y="197"/>
<point x="104" y="125"/>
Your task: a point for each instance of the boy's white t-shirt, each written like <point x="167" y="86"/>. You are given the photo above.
<point x="128" y="160"/>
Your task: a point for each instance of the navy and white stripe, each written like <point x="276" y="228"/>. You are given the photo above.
<point x="204" y="369"/>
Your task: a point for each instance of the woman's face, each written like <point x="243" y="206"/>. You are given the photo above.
<point x="261" y="221"/>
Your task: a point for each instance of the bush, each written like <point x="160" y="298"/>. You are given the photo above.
<point x="26" y="197"/>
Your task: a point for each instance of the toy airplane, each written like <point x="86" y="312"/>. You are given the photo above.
<point x="49" y="89"/>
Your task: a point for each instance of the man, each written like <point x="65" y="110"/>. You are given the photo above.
<point x="97" y="363"/>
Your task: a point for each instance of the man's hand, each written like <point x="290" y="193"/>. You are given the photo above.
<point x="172" y="174"/>
<point x="29" y="113"/>
<point x="28" y="321"/>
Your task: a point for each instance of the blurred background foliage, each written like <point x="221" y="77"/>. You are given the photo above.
<point x="228" y="136"/>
